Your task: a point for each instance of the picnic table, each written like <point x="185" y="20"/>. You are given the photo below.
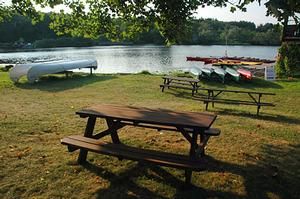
<point x="193" y="126"/>
<point x="180" y="82"/>
<point x="255" y="98"/>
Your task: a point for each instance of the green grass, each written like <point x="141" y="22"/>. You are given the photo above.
<point x="254" y="157"/>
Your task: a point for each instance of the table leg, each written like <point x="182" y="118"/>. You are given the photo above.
<point x="208" y="98"/>
<point x="163" y="88"/>
<point x="212" y="95"/>
<point x="188" y="172"/>
<point x="194" y="88"/>
<point x="113" y="126"/>
<point x="258" y="106"/>
<point x="88" y="133"/>
<point x="201" y="142"/>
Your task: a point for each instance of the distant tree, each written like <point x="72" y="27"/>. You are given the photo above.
<point x="244" y="24"/>
<point x="200" y="31"/>
<point x="91" y="18"/>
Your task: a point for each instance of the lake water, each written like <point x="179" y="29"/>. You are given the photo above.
<point x="133" y="59"/>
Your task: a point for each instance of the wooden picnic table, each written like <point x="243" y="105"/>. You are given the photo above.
<point x="255" y="98"/>
<point x="192" y="125"/>
<point x="180" y="82"/>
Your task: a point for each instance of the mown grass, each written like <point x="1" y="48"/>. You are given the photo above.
<point x="254" y="157"/>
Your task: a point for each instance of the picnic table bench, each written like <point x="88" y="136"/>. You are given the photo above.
<point x="212" y="95"/>
<point x="193" y="126"/>
<point x="180" y="82"/>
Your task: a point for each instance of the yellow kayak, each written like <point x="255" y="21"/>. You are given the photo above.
<point x="236" y="62"/>
<point x="251" y="63"/>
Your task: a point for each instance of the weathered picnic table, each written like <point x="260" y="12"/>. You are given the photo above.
<point x="192" y="125"/>
<point x="255" y="98"/>
<point x="180" y="82"/>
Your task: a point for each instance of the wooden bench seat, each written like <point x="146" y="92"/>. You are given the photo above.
<point x="132" y="153"/>
<point x="186" y="79"/>
<point x="213" y="132"/>
<point x="175" y="86"/>
<point x="180" y="82"/>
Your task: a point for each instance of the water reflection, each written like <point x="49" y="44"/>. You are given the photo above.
<point x="133" y="59"/>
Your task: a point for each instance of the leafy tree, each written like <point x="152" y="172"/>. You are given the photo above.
<point x="5" y="11"/>
<point x="288" y="61"/>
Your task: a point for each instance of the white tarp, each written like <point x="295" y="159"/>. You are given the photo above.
<point x="35" y="70"/>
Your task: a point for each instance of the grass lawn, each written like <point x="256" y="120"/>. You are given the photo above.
<point x="254" y="157"/>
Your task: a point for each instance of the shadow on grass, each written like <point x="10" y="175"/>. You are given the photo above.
<point x="273" y="174"/>
<point x="124" y="185"/>
<point x="61" y="83"/>
<point x="261" y="116"/>
<point x="234" y="112"/>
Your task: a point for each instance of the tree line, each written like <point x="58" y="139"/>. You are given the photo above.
<point x="19" y="30"/>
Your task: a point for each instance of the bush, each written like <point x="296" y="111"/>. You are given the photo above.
<point x="288" y="60"/>
<point x="145" y="72"/>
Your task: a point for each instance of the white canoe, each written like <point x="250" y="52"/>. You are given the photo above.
<point x="35" y="70"/>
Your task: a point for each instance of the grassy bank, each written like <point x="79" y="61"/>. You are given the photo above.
<point x="254" y="157"/>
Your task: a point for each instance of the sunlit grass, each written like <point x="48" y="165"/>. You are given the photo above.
<point x="254" y="157"/>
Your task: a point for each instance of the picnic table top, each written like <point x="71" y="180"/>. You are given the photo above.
<point x="237" y="91"/>
<point x="166" y="117"/>
<point x="182" y="79"/>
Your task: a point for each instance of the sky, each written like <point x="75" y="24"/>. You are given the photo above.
<point x="255" y="13"/>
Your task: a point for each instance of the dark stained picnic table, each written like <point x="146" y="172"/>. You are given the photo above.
<point x="255" y="98"/>
<point x="192" y="125"/>
<point x="180" y="82"/>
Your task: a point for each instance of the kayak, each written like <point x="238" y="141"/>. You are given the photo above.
<point x="35" y="70"/>
<point x="206" y="60"/>
<point x="220" y="73"/>
<point x="206" y="71"/>
<point x="235" y="62"/>
<point x="233" y="74"/>
<point x="229" y="61"/>
<point x="251" y="63"/>
<point x="195" y="71"/>
<point x="249" y="59"/>
<point x="245" y="74"/>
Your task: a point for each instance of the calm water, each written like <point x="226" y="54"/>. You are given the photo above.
<point x="133" y="59"/>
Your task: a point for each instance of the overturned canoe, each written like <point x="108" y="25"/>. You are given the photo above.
<point x="245" y="74"/>
<point x="206" y="71"/>
<point x="35" y="70"/>
<point x="233" y="74"/>
<point x="220" y="73"/>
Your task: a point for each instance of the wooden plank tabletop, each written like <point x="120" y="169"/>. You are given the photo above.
<point x="236" y="91"/>
<point x="150" y="116"/>
<point x="182" y="79"/>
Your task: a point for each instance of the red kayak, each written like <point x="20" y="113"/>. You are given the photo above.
<point x="211" y="60"/>
<point x="247" y="75"/>
<point x="206" y="60"/>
